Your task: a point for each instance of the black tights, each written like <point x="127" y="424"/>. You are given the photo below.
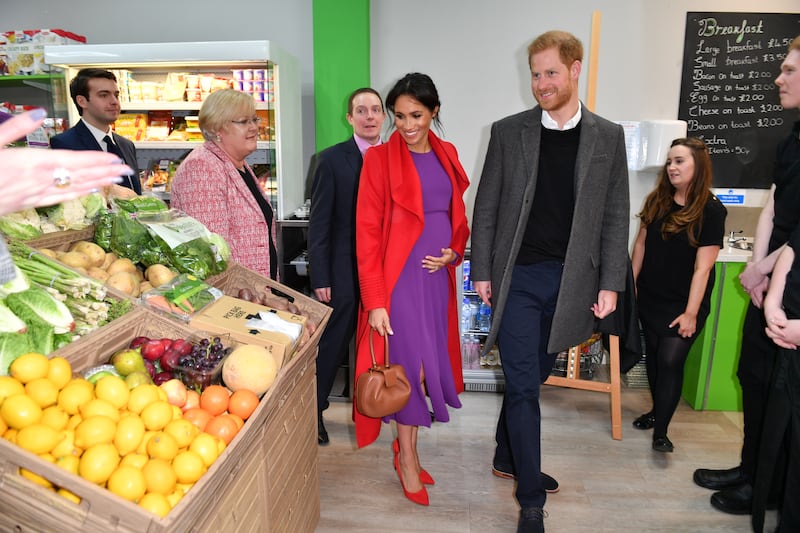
<point x="664" y="360"/>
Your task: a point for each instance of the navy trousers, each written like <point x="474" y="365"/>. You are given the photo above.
<point x="522" y="339"/>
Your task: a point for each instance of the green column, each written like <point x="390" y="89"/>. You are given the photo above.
<point x="341" y="64"/>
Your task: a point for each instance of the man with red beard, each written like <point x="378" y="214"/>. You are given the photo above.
<point x="551" y="211"/>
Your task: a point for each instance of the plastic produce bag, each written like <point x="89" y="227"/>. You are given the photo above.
<point x="181" y="297"/>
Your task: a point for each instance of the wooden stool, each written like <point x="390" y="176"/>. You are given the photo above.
<point x="574" y="381"/>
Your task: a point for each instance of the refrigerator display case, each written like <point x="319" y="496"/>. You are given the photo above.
<point x="147" y="74"/>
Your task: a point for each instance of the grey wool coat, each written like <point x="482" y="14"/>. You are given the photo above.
<point x="597" y="252"/>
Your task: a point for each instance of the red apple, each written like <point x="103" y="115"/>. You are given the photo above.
<point x="181" y="346"/>
<point x="138" y="341"/>
<point x="151" y="368"/>
<point x="169" y="360"/>
<point x="162" y="377"/>
<point x="152" y="350"/>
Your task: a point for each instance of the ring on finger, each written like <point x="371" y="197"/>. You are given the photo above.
<point x="61" y="178"/>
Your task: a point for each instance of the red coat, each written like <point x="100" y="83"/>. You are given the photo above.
<point x="208" y="187"/>
<point x="389" y="220"/>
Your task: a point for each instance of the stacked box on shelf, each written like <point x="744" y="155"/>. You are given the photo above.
<point x="266" y="480"/>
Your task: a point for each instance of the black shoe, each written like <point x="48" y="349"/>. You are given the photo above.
<point x="662" y="444"/>
<point x="719" y="479"/>
<point x="734" y="500"/>
<point x="646" y="421"/>
<point x="322" y="434"/>
<point x="531" y="520"/>
<point x="549" y="483"/>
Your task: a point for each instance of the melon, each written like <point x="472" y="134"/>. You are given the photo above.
<point x="249" y="367"/>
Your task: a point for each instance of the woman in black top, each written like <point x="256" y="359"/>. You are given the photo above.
<point x="681" y="232"/>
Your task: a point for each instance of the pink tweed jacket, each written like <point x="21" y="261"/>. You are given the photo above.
<point x="208" y="187"/>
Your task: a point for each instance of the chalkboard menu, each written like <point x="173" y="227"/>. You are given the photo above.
<point x="728" y="95"/>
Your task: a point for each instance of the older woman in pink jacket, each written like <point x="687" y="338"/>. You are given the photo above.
<point x="215" y="185"/>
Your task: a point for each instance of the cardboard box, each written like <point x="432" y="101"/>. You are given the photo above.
<point x="231" y="315"/>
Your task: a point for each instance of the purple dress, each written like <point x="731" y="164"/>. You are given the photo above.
<point x="419" y="306"/>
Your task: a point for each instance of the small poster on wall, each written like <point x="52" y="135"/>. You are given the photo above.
<point x="728" y="95"/>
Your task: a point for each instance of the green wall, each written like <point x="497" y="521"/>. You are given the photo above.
<point x="341" y="64"/>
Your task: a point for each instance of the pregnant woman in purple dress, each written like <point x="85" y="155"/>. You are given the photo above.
<point x="411" y="230"/>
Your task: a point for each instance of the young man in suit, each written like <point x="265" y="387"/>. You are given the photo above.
<point x="331" y="238"/>
<point x="551" y="211"/>
<point x="96" y="96"/>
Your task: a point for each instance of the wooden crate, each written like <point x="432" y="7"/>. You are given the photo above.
<point x="61" y="240"/>
<point x="266" y="480"/>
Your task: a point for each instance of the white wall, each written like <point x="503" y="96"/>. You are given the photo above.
<point x="475" y="51"/>
<point x="286" y="23"/>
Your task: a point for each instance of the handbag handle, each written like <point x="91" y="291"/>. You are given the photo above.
<point x="385" y="349"/>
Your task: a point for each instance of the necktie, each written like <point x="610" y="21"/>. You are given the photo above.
<point x="114" y="149"/>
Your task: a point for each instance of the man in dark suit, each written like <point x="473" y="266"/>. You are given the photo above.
<point x="331" y="238"/>
<point x="551" y="211"/>
<point x="96" y="95"/>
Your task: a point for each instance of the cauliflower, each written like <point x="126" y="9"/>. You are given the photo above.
<point x="68" y="215"/>
<point x="24" y="225"/>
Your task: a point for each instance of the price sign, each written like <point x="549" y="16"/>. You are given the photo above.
<point x="728" y="94"/>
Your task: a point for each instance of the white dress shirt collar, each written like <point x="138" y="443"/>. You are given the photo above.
<point x="550" y="123"/>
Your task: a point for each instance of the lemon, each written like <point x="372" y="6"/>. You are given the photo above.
<point x="162" y="446"/>
<point x="129" y="434"/>
<point x="66" y="446"/>
<point x="188" y="466"/>
<point x="10" y="386"/>
<point x="19" y="411"/>
<point x="183" y="431"/>
<point x="127" y="482"/>
<point x="99" y="407"/>
<point x="59" y="372"/>
<point x="55" y="417"/>
<point x="136" y="460"/>
<point x="98" y="462"/>
<point x="74" y="420"/>
<point x="95" y="430"/>
<point x="206" y="447"/>
<point x="156" y="415"/>
<point x="177" y="412"/>
<point x="113" y="390"/>
<point x="142" y="449"/>
<point x="155" y="503"/>
<point x="42" y="391"/>
<point x="75" y="394"/>
<point x="29" y="366"/>
<point x="174" y="497"/>
<point x="141" y="397"/>
<point x="11" y="435"/>
<point x="68" y="495"/>
<point x="3" y="426"/>
<point x="162" y="394"/>
<point x="38" y="438"/>
<point x="69" y="463"/>
<point x="159" y="476"/>
<point x="36" y="478"/>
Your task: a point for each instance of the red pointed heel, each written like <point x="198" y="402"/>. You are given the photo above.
<point x="424" y="476"/>
<point x="421" y="496"/>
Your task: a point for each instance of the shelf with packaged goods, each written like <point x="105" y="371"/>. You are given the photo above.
<point x="221" y="63"/>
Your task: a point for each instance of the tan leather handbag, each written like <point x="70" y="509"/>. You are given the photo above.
<point x="383" y="389"/>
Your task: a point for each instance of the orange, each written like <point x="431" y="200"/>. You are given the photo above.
<point x="237" y="419"/>
<point x="223" y="427"/>
<point x="198" y="416"/>
<point x="242" y="403"/>
<point x="214" y="399"/>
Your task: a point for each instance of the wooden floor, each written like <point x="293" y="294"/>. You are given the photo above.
<point x="606" y="485"/>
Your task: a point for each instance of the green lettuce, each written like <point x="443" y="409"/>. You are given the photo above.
<point x="23" y="225"/>
<point x="221" y="247"/>
<point x="12" y="345"/>
<point x="18" y="284"/>
<point x="93" y="204"/>
<point x="41" y="338"/>
<point x="37" y="305"/>
<point x="9" y="322"/>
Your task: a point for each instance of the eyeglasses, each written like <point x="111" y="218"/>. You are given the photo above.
<point x="255" y="121"/>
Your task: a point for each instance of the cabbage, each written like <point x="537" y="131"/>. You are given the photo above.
<point x="12" y="345"/>
<point x="68" y="215"/>
<point x="24" y="225"/>
<point x="37" y="305"/>
<point x="9" y="322"/>
<point x="93" y="203"/>
<point x="18" y="284"/>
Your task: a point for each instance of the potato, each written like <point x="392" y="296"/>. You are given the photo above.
<point x="144" y="286"/>
<point x="48" y="252"/>
<point x="122" y="264"/>
<point x="97" y="273"/>
<point x="96" y="255"/>
<point x="159" y="275"/>
<point x="124" y="282"/>
<point x="110" y="258"/>
<point x="76" y="259"/>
